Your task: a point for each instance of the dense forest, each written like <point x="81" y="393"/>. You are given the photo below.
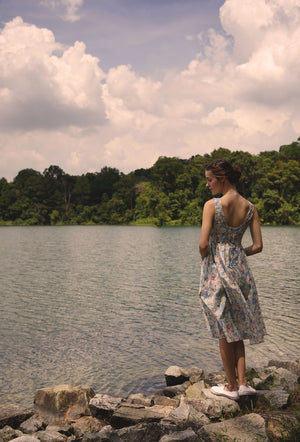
<point x="171" y="192"/>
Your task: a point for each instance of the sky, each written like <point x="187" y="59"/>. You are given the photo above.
<point x="86" y="84"/>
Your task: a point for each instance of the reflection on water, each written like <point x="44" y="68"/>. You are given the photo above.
<point x="113" y="307"/>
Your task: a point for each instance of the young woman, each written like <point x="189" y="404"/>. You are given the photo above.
<point x="227" y="288"/>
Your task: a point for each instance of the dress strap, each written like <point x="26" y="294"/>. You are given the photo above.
<point x="218" y="208"/>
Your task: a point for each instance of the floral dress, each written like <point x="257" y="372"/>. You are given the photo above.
<point x="227" y="289"/>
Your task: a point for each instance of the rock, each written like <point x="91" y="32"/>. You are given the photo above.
<point x="50" y="436"/>
<point x="195" y="374"/>
<point x="26" y="438"/>
<point x="33" y="424"/>
<point x="175" y="390"/>
<point x="189" y="410"/>
<point x="13" y="415"/>
<point x="150" y="432"/>
<point x="263" y="384"/>
<point x="251" y="373"/>
<point x="184" y="436"/>
<point x="195" y="391"/>
<point x="175" y="376"/>
<point x="219" y="379"/>
<point x="63" y="402"/>
<point x="86" y="424"/>
<point x="278" y="424"/>
<point x="215" y="378"/>
<point x="280" y="379"/>
<point x="277" y="398"/>
<point x="103" y="405"/>
<point x="248" y="428"/>
<point x="107" y="434"/>
<point x="293" y="366"/>
<point x="130" y="414"/>
<point x="140" y="399"/>
<point x="219" y="405"/>
<point x="66" y="429"/>
<point x="7" y="433"/>
<point x="166" y="401"/>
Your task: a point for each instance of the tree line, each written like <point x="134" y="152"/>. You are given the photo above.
<point x="171" y="192"/>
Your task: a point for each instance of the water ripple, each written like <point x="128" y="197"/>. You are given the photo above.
<point x="113" y="307"/>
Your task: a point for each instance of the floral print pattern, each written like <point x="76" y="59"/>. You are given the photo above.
<point x="227" y="289"/>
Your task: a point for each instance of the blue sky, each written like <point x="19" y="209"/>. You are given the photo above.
<point x="148" y="34"/>
<point x="87" y="83"/>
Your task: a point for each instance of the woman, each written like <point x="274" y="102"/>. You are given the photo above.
<point x="227" y="288"/>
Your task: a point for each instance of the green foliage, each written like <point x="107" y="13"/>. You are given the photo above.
<point x="171" y="192"/>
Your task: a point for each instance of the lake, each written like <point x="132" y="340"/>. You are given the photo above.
<point x="113" y="307"/>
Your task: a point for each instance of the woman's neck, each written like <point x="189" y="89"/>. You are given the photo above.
<point x="229" y="189"/>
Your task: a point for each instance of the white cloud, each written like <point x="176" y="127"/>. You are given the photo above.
<point x="240" y="91"/>
<point x="68" y="9"/>
<point x="43" y="90"/>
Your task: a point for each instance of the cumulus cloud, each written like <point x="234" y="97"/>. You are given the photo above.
<point x="68" y="9"/>
<point x="42" y="90"/>
<point x="240" y="91"/>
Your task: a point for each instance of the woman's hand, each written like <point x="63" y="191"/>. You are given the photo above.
<point x="257" y="242"/>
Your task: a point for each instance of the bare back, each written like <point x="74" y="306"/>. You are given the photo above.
<point x="235" y="208"/>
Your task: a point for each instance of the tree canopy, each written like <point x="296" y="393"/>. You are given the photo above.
<point x="171" y="192"/>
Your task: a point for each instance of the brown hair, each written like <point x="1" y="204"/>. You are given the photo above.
<point x="222" y="168"/>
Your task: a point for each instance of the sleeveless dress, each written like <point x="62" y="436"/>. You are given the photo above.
<point x="227" y="289"/>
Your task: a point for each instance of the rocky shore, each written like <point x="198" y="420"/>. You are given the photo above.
<point x="185" y="410"/>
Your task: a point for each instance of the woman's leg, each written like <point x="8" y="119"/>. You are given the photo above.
<point x="240" y="362"/>
<point x="228" y="355"/>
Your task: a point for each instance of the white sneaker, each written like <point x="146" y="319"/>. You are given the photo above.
<point x="220" y="391"/>
<point x="245" y="390"/>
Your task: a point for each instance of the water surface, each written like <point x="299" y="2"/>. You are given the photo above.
<point x="112" y="307"/>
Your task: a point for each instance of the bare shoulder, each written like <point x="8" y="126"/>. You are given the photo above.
<point x="210" y="204"/>
<point x="255" y="213"/>
<point x="209" y="210"/>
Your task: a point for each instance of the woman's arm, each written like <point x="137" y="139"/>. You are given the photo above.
<point x="207" y="223"/>
<point x="257" y="243"/>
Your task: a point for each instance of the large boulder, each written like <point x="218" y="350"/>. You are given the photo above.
<point x="248" y="428"/>
<point x="13" y="415"/>
<point x="63" y="403"/>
